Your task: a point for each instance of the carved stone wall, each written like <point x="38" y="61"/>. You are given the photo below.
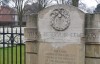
<point x="31" y="38"/>
<point x="92" y="38"/>
<point x="61" y="31"/>
<point x="56" y="36"/>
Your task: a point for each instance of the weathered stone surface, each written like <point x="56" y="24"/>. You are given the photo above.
<point x="32" y="47"/>
<point x="92" y="28"/>
<point x="31" y="34"/>
<point x="31" y="58"/>
<point x="92" y="39"/>
<point x="93" y="50"/>
<point x="61" y="31"/>
<point x="32" y="21"/>
<point x="92" y="61"/>
<point x="67" y="26"/>
<point x="68" y="54"/>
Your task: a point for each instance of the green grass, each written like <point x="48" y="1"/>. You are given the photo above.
<point x="8" y="55"/>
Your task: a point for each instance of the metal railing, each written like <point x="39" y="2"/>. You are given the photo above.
<point x="12" y="47"/>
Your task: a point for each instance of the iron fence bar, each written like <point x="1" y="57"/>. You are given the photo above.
<point x="10" y="33"/>
<point x="12" y="41"/>
<point x="15" y="14"/>
<point x="16" y="49"/>
<point x="7" y="21"/>
<point x="13" y="21"/>
<point x="0" y="56"/>
<point x="16" y="46"/>
<point x="8" y="14"/>
<point x="16" y="54"/>
<point x="8" y="53"/>
<point x="0" y="49"/>
<point x="8" y="56"/>
<point x="20" y="45"/>
<point x="3" y="45"/>
<point x="24" y="54"/>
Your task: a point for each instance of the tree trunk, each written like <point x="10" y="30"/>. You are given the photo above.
<point x="75" y="3"/>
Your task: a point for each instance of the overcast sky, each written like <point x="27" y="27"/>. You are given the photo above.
<point x="90" y="3"/>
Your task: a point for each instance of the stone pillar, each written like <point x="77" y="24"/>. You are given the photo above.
<point x="62" y="30"/>
<point x="31" y="37"/>
<point x="92" y="38"/>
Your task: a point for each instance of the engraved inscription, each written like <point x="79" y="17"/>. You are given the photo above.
<point x="60" y="19"/>
<point x="32" y="47"/>
<point x="30" y="34"/>
<point x="59" y="57"/>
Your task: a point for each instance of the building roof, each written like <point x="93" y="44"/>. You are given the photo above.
<point x="7" y="15"/>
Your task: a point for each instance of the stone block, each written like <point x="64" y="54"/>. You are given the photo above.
<point x="31" y="34"/>
<point x="31" y="58"/>
<point x="32" y="47"/>
<point x="93" y="50"/>
<point x="67" y="54"/>
<point x="92" y="61"/>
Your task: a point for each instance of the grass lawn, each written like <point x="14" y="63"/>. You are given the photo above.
<point x="12" y="57"/>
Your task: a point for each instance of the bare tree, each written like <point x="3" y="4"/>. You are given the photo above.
<point x="97" y="9"/>
<point x="90" y="10"/>
<point x="60" y="1"/>
<point x="71" y="2"/>
<point x="19" y="6"/>
<point x="75" y="3"/>
<point x="98" y="1"/>
<point x="63" y="1"/>
<point x="37" y="5"/>
<point x="43" y="3"/>
<point x="68" y="2"/>
<point x="82" y="6"/>
<point x="4" y="2"/>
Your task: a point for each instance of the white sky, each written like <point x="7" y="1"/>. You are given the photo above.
<point x="90" y="3"/>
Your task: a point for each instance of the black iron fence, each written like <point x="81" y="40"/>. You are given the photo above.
<point x="12" y="47"/>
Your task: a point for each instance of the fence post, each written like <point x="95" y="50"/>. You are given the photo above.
<point x="92" y="39"/>
<point x="31" y="38"/>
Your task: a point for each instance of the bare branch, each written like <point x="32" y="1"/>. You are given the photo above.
<point x="47" y="3"/>
<point x="57" y="1"/>
<point x="97" y="1"/>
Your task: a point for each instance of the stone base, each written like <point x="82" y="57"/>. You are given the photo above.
<point x="32" y="52"/>
<point x="67" y="54"/>
<point x="92" y="61"/>
<point x="93" y="54"/>
<point x="32" y="47"/>
<point x="31" y="58"/>
<point x="93" y="50"/>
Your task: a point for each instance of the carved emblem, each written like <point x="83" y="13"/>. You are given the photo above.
<point x="60" y="19"/>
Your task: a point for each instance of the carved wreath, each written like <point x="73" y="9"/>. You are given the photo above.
<point x="60" y="19"/>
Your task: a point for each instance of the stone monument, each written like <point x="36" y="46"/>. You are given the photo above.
<point x="57" y="37"/>
<point x="61" y="31"/>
